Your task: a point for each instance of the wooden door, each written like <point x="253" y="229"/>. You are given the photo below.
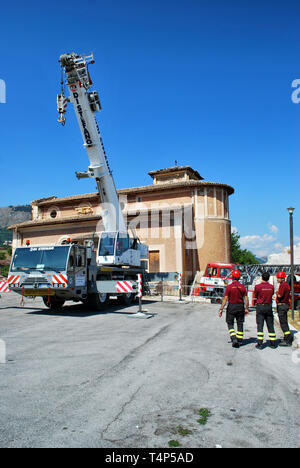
<point x="154" y="263"/>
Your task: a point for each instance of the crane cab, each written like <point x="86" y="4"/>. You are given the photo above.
<point x="118" y="248"/>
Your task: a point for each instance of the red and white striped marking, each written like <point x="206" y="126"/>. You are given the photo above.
<point x="4" y="287"/>
<point x="139" y="283"/>
<point x="180" y="281"/>
<point x="59" y="279"/>
<point x="13" y="279"/>
<point x="124" y="286"/>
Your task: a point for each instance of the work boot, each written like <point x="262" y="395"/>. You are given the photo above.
<point x="285" y="344"/>
<point x="259" y="345"/>
<point x="235" y="343"/>
<point x="273" y="344"/>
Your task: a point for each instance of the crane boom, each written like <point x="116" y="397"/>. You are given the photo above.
<point x="115" y="247"/>
<point x="86" y="103"/>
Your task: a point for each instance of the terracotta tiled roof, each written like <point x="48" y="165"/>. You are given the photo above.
<point x="167" y="170"/>
<point x="145" y="188"/>
<point x="186" y="183"/>
<point x="54" y="200"/>
<point x="64" y="220"/>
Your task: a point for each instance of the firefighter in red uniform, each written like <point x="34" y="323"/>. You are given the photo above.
<point x="263" y="293"/>
<point x="282" y="299"/>
<point x="235" y="294"/>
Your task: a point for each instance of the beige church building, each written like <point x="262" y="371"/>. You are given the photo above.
<point x="181" y="217"/>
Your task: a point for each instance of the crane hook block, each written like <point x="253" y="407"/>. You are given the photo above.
<point x="61" y="108"/>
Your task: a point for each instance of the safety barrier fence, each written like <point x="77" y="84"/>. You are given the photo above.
<point x="192" y="293"/>
<point x="165" y="290"/>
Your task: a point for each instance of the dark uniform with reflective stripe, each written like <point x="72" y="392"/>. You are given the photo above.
<point x="264" y="313"/>
<point x="236" y="310"/>
<point x="283" y="298"/>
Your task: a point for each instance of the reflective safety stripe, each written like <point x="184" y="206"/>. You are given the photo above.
<point x="232" y="332"/>
<point x="260" y="334"/>
<point x="287" y="333"/>
<point x="272" y="336"/>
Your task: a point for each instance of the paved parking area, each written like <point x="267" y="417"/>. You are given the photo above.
<point x="82" y="379"/>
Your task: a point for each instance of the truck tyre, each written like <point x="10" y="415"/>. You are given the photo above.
<point x="98" y="301"/>
<point x="126" y="299"/>
<point x="53" y="303"/>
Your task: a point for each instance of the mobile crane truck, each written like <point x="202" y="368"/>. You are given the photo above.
<point x="60" y="273"/>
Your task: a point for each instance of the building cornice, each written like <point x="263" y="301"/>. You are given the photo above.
<point x="142" y="189"/>
<point x="52" y="222"/>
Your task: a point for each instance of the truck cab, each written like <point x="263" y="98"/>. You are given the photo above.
<point x="118" y="248"/>
<point x="56" y="273"/>
<point x="217" y="275"/>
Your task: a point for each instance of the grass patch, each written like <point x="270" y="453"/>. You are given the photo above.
<point x="204" y="414"/>
<point x="182" y="431"/>
<point x="173" y="443"/>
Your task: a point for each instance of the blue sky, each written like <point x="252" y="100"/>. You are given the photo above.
<point x="205" y="82"/>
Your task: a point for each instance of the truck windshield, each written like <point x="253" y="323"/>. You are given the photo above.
<point x="40" y="258"/>
<point x="225" y="272"/>
<point x="107" y="244"/>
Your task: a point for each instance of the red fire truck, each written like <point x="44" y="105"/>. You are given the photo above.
<point x="216" y="277"/>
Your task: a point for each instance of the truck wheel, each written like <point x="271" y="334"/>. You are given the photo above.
<point x="98" y="301"/>
<point x="126" y="299"/>
<point x="53" y="303"/>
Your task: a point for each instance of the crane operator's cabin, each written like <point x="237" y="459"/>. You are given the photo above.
<point x="181" y="217"/>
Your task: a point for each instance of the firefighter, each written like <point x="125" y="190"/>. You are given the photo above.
<point x="263" y="293"/>
<point x="238" y="307"/>
<point x="282" y="299"/>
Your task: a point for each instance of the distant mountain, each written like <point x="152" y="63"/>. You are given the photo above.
<point x="262" y="259"/>
<point x="12" y="215"/>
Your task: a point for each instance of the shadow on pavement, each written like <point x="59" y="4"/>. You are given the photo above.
<point x="80" y="310"/>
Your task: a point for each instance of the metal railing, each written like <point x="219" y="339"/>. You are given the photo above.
<point x="162" y="290"/>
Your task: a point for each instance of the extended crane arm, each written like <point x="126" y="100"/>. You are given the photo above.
<point x="86" y="103"/>
<point x="115" y="245"/>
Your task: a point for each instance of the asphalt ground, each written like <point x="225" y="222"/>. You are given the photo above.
<point x="76" y="378"/>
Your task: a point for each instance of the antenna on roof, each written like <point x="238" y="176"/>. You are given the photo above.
<point x="176" y="163"/>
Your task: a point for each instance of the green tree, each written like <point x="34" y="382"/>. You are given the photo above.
<point x="239" y="255"/>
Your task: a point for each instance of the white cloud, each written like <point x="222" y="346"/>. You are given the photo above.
<point x="268" y="245"/>
<point x="284" y="257"/>
<point x="234" y="229"/>
<point x="261" y="246"/>
<point x="273" y="228"/>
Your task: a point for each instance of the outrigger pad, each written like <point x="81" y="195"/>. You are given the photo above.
<point x="141" y="315"/>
